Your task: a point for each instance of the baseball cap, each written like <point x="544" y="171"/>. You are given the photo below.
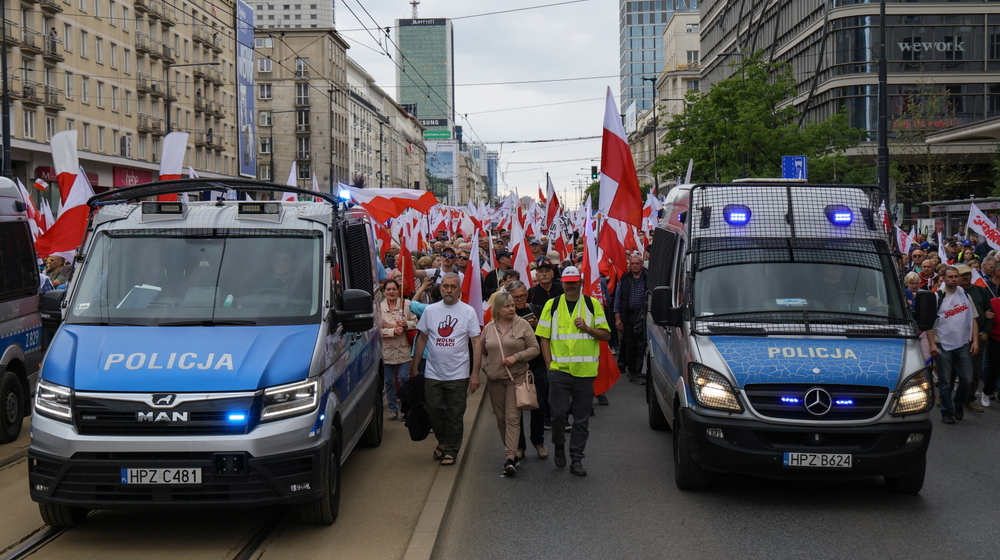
<point x="967" y="243"/>
<point x="571" y="274"/>
<point x="502" y="254"/>
<point x="925" y="245"/>
<point x="534" y="242"/>
<point x="545" y="264"/>
<point x="964" y="269"/>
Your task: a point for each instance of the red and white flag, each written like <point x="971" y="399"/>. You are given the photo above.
<point x="172" y="160"/>
<point x="620" y="196"/>
<point x="67" y="232"/>
<point x="66" y="162"/>
<point x="48" y="219"/>
<point x="34" y="216"/>
<point x="41" y="185"/>
<point x="472" y="284"/>
<point x="541" y="197"/>
<point x="979" y="222"/>
<point x="977" y="279"/>
<point x="552" y="207"/>
<point x="521" y="251"/>
<point x="607" y="367"/>
<point x="903" y="240"/>
<point x="385" y="204"/>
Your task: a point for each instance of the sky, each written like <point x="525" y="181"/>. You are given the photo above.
<point x="573" y="40"/>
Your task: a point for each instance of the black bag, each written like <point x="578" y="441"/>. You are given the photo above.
<point x="411" y="396"/>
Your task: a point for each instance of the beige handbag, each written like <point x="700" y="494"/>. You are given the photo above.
<point x="525" y="394"/>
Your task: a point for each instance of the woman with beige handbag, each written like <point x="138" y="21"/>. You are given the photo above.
<point x="509" y="343"/>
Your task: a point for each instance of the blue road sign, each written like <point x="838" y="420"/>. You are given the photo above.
<point x="794" y="167"/>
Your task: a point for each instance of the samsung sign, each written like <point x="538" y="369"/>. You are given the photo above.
<point x="927" y="46"/>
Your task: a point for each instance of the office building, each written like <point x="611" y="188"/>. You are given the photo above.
<point x="641" y="25"/>
<point x="425" y="76"/>
<point x="294" y="14"/>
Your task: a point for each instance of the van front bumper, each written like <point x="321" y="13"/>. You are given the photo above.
<point x="757" y="448"/>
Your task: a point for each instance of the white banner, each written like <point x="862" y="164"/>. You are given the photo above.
<point x="979" y="222"/>
<point x="903" y="240"/>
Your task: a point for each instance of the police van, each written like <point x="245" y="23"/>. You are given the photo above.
<point x="20" y="322"/>
<point x="212" y="354"/>
<point x="780" y="343"/>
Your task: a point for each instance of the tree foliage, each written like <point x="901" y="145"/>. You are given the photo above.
<point x="743" y="126"/>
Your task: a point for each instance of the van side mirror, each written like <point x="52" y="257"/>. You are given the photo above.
<point x="927" y="303"/>
<point x="660" y="308"/>
<point x="357" y="313"/>
<point x="50" y="309"/>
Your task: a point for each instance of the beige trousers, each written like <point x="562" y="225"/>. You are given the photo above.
<point x="504" y="400"/>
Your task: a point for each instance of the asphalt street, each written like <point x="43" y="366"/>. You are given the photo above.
<point x="629" y="507"/>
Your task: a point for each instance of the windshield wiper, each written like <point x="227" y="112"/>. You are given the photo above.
<point x="206" y="323"/>
<point x="106" y="324"/>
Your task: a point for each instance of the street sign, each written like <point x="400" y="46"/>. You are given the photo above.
<point x="794" y="167"/>
<point x="437" y="135"/>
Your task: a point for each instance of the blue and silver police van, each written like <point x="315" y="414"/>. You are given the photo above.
<point x="212" y="354"/>
<point x="780" y="343"/>
<point x="20" y="322"/>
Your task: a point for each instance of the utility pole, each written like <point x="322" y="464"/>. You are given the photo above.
<point x="5" y="102"/>
<point x="882" y="159"/>
<point x="656" y="181"/>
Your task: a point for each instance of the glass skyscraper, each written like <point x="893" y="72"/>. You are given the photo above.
<point x="426" y="73"/>
<point x="640" y="30"/>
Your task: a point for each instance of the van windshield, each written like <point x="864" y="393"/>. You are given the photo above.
<point x="146" y="278"/>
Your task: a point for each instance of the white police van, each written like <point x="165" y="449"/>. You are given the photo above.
<point x="212" y="354"/>
<point x="20" y="322"/>
<point x="780" y="343"/>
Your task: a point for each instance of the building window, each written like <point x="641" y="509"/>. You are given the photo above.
<point x="86" y="136"/>
<point x="693" y="85"/>
<point x="116" y="142"/>
<point x="124" y="19"/>
<point x="691" y="28"/>
<point x="265" y="172"/>
<point x="67" y="37"/>
<point x="264" y="91"/>
<point x="114" y="55"/>
<point x="70" y="124"/>
<point x="127" y="59"/>
<point x="111" y="11"/>
<point x="83" y="5"/>
<point x="84" y="39"/>
<point x="100" y="139"/>
<point x="50" y="127"/>
<point x="693" y="57"/>
<point x="301" y="94"/>
<point x="84" y="89"/>
<point x="99" y="50"/>
<point x="100" y="94"/>
<point x="128" y="102"/>
<point x="264" y="118"/>
<point x="28" y="118"/>
<point x="305" y="171"/>
<point x="142" y="147"/>
<point x="263" y="42"/>
<point x="301" y="67"/>
<point x="265" y="144"/>
<point x="68" y="87"/>
<point x="264" y="64"/>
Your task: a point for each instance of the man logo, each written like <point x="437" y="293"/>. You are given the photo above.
<point x="161" y="417"/>
<point x="163" y="399"/>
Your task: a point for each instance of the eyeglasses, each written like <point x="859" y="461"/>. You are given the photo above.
<point x="463" y="258"/>
<point x="524" y="296"/>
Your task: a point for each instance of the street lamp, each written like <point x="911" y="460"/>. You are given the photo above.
<point x="168" y="103"/>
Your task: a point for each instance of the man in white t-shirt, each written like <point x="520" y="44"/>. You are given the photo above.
<point x="953" y="341"/>
<point x="447" y="328"/>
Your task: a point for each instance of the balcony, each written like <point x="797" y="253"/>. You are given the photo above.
<point x="142" y="6"/>
<point x="167" y="53"/>
<point x="216" y="42"/>
<point x="155" y="49"/>
<point x="171" y="93"/>
<point x="32" y="92"/>
<point x="144" y="126"/>
<point x="217" y="108"/>
<point x="199" y="140"/>
<point x="156" y="87"/>
<point x="168" y="16"/>
<point x="51" y="50"/>
<point x="207" y="140"/>
<point x="155" y="10"/>
<point x="156" y="157"/>
<point x="301" y="128"/>
<point x="200" y="104"/>
<point x="143" y="83"/>
<point x="303" y="156"/>
<point x="10" y="33"/>
<point x="141" y="43"/>
<point x="157" y="126"/>
<point x="202" y="35"/>
<point x="214" y="76"/>
<point x="52" y="98"/>
<point x="51" y="6"/>
<point x="198" y="74"/>
<point x="31" y="41"/>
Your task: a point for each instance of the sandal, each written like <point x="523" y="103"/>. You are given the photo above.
<point x="447" y="461"/>
<point x="439" y="453"/>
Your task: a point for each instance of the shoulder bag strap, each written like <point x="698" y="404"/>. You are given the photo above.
<point x="496" y="331"/>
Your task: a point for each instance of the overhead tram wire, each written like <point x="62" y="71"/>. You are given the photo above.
<point x="525" y="8"/>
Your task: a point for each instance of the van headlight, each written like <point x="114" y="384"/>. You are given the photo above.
<point x="916" y="395"/>
<point x="54" y="401"/>
<point x="711" y="389"/>
<point x="293" y="399"/>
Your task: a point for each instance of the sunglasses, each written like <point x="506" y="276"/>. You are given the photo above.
<point x="448" y="256"/>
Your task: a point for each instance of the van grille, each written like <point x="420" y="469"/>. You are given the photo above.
<point x="866" y="401"/>
<point x="107" y="417"/>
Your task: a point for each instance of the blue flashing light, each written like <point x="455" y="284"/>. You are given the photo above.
<point x="737" y="214"/>
<point x="322" y="417"/>
<point x="237" y="417"/>
<point x="344" y="194"/>
<point x="844" y="402"/>
<point x="791" y="400"/>
<point x="839" y="215"/>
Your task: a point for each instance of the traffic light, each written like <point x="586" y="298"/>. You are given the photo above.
<point x="593" y="172"/>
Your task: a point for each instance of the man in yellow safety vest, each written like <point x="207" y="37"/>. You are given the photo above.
<point x="570" y="335"/>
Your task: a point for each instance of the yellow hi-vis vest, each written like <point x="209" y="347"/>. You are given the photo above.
<point x="573" y="351"/>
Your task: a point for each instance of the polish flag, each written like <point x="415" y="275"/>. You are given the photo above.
<point x="172" y="160"/>
<point x="552" y="208"/>
<point x="607" y="367"/>
<point x="620" y="197"/>
<point x="977" y="278"/>
<point x="385" y="204"/>
<point x="541" y="197"/>
<point x="521" y="251"/>
<point x="291" y="182"/>
<point x="612" y="240"/>
<point x="472" y="284"/>
<point x="48" y="220"/>
<point x="66" y="162"/>
<point x="34" y="216"/>
<point x="66" y="234"/>
<point x="41" y="185"/>
<point x="384" y="239"/>
<point x="405" y="263"/>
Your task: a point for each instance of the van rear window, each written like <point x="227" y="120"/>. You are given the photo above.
<point x="18" y="264"/>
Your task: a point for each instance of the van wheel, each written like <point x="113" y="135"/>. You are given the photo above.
<point x="11" y="406"/>
<point x="909" y="483"/>
<point x="373" y="433"/>
<point x="688" y="475"/>
<point x="324" y="510"/>
<point x="657" y="420"/>
<point x="60" y="517"/>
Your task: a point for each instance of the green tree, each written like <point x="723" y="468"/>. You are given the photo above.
<point x="743" y="126"/>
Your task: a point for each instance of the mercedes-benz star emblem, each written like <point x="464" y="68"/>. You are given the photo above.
<point x="818" y="402"/>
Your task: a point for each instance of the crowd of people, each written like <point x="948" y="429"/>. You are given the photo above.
<point x="964" y="344"/>
<point x="543" y="330"/>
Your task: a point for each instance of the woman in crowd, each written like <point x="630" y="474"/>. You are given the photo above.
<point x="424" y="263"/>
<point x="912" y="282"/>
<point x="509" y="343"/>
<point x="396" y="320"/>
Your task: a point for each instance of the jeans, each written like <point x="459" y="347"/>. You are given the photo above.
<point x="394" y="372"/>
<point x="540" y="414"/>
<point x="633" y="346"/>
<point x="567" y="393"/>
<point x="951" y="364"/>
<point x="445" y="405"/>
